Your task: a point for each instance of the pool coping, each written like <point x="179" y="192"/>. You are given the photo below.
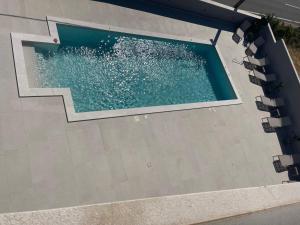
<point x="72" y="116"/>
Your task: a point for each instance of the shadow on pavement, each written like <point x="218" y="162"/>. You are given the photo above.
<point x="171" y="12"/>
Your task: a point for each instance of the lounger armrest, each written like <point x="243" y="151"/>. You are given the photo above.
<point x="258" y="98"/>
<point x="275" y="157"/>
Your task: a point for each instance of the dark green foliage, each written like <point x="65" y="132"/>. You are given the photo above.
<point x="290" y="34"/>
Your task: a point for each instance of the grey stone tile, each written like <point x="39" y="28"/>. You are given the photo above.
<point x="36" y="27"/>
<point x="4" y="185"/>
<point x="4" y="203"/>
<point x="52" y="172"/>
<point x="38" y="9"/>
<point x="61" y="195"/>
<point x="69" y="9"/>
<point x="50" y="160"/>
<point x="16" y="165"/>
<point x="43" y="105"/>
<point x="43" y="118"/>
<point x="10" y="101"/>
<point x="22" y="200"/>
<point x="7" y="73"/>
<point x="12" y="131"/>
<point x="85" y="144"/>
<point x="6" y="25"/>
<point x="113" y="150"/>
<point x="12" y="7"/>
<point x="24" y="25"/>
<point x="92" y="183"/>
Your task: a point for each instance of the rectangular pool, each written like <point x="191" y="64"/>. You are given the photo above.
<point x="108" y="70"/>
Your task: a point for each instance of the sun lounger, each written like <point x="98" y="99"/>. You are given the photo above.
<point x="277" y="122"/>
<point x="253" y="47"/>
<point x="283" y="163"/>
<point x="271" y="123"/>
<point x="288" y="163"/>
<point x="259" y="62"/>
<point x="264" y="77"/>
<point x="254" y="63"/>
<point x="270" y="105"/>
<point x="240" y="31"/>
<point x="275" y="102"/>
<point x="287" y="160"/>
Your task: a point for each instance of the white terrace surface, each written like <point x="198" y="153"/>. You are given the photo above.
<point x="46" y="162"/>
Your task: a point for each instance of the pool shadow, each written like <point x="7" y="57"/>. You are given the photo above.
<point x="171" y="12"/>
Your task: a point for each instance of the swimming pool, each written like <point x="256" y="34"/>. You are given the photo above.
<point x="108" y="72"/>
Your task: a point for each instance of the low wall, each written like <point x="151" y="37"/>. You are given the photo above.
<point x="167" y="210"/>
<point x="285" y="215"/>
<point x="210" y="9"/>
<point x="282" y="65"/>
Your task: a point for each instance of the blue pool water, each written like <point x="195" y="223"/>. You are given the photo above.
<point x="109" y="70"/>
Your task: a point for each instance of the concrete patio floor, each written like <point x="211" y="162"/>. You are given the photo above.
<point x="46" y="162"/>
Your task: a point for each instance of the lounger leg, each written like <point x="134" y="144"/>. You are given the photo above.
<point x="267" y="127"/>
<point x="236" y="38"/>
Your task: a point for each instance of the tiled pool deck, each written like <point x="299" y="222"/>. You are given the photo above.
<point x="46" y="162"/>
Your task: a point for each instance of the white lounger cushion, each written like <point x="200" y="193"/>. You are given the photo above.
<point x="264" y="77"/>
<point x="276" y="102"/>
<point x="279" y="122"/>
<point x="253" y="47"/>
<point x="258" y="62"/>
<point x="288" y="160"/>
<point x="240" y="31"/>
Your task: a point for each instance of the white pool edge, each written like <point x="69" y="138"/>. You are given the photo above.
<point x="72" y="116"/>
